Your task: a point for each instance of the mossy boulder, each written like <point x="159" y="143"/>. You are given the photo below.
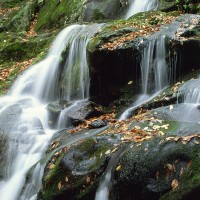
<point x="119" y="44"/>
<point x="186" y="6"/>
<point x="75" y="173"/>
<point x="58" y="13"/>
<point x="15" y="48"/>
<point x="159" y="169"/>
<point x="19" y="18"/>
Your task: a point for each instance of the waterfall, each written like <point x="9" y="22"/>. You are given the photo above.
<point x="24" y="117"/>
<point x="191" y="92"/>
<point x="141" y="6"/>
<point x="155" y="73"/>
<point x="106" y="180"/>
<point x="188" y="103"/>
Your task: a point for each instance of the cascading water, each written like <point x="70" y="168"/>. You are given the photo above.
<point x="156" y="73"/>
<point x="189" y="107"/>
<point x="141" y="6"/>
<point x="29" y="135"/>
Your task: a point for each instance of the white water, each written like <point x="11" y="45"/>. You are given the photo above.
<point x="30" y="133"/>
<point x="191" y="91"/>
<point x="154" y="72"/>
<point x="141" y="6"/>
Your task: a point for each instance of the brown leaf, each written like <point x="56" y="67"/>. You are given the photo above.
<point x="174" y="184"/>
<point x="189" y="164"/>
<point x="59" y="185"/>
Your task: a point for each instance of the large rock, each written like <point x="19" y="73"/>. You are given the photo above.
<point x="58" y="13"/>
<point x="159" y="169"/>
<point x="116" y="51"/>
<point x="20" y="18"/>
<point x="75" y="174"/>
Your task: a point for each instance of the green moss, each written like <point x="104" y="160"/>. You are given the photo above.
<point x="56" y="13"/>
<point x="97" y="15"/>
<point x="115" y="29"/>
<point x="189" y="181"/>
<point x="10" y="3"/>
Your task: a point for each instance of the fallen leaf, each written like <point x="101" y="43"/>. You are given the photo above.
<point x="189" y="164"/>
<point x="88" y="179"/>
<point x="130" y="82"/>
<point x="118" y="167"/>
<point x="66" y="179"/>
<point x="59" y="185"/>
<point x="170" y="167"/>
<point x="107" y="152"/>
<point x="51" y="166"/>
<point x="174" y="184"/>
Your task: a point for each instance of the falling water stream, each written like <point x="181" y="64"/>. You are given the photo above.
<point x="29" y="135"/>
<point x="141" y="6"/>
<point x="156" y="73"/>
<point x="24" y="108"/>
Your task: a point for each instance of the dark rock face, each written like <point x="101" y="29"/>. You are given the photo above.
<point x="83" y="110"/>
<point x="99" y="10"/>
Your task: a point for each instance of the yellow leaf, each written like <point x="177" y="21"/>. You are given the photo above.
<point x="161" y="133"/>
<point x="107" y="152"/>
<point x="130" y="82"/>
<point x="88" y="179"/>
<point x="174" y="184"/>
<point x="137" y="127"/>
<point x="170" y="167"/>
<point x="118" y="167"/>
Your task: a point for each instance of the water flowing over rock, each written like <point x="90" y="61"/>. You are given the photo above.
<point x="138" y="6"/>
<point x="57" y="142"/>
<point x="28" y="131"/>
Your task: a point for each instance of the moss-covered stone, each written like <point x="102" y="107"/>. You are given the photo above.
<point x="147" y="171"/>
<point x="78" y="169"/>
<point x="19" y="18"/>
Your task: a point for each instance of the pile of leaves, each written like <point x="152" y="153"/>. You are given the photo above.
<point x="143" y="27"/>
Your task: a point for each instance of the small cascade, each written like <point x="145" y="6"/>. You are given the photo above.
<point x="191" y="92"/>
<point x="106" y="180"/>
<point x="141" y="6"/>
<point x="156" y="72"/>
<point x="29" y="133"/>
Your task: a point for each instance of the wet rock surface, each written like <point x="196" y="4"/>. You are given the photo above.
<point x="158" y="169"/>
<point x="78" y="170"/>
